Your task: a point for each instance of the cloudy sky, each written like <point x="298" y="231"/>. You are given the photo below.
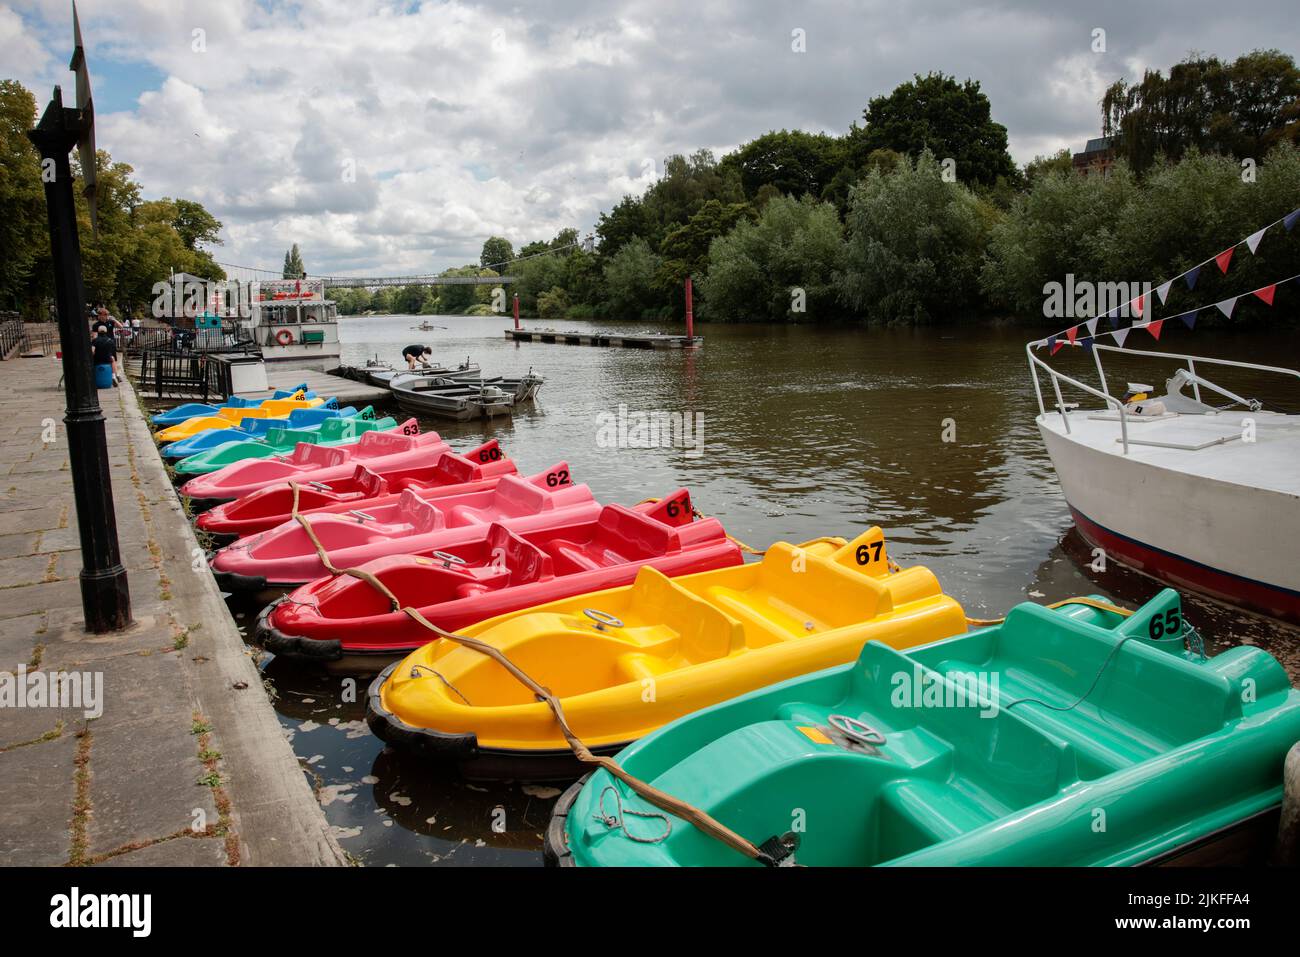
<point x="392" y="138"/>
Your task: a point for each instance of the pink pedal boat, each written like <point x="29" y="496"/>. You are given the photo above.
<point x="284" y="557"/>
<point x="316" y="463"/>
<point x="333" y="619"/>
<point x="365" y="488"/>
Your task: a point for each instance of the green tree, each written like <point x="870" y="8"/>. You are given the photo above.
<point x="777" y="268"/>
<point x="619" y="226"/>
<point x="496" y="251"/>
<point x="685" y="250"/>
<point x="196" y="226"/>
<point x="792" y="161"/>
<point x="629" y="280"/>
<point x="553" y="304"/>
<point x="1059" y="162"/>
<point x="915" y="245"/>
<point x="950" y="119"/>
<point x="293" y="267"/>
<point x="23" y="240"/>
<point x="1241" y="109"/>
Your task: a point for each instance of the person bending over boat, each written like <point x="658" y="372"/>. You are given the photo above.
<point x="413" y="353"/>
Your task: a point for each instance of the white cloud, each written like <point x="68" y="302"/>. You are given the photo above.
<point x="461" y="120"/>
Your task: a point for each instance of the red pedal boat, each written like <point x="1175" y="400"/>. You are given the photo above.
<point x="365" y="488"/>
<point x="284" y="557"/>
<point x="499" y="571"/>
<point x="316" y="463"/>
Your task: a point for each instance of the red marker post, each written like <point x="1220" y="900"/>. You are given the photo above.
<point x="516" y="307"/>
<point x="690" y="314"/>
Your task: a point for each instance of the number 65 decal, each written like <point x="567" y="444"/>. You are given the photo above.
<point x="1168" y="625"/>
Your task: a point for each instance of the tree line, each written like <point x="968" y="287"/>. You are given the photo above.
<point x="919" y="214"/>
<point x="138" y="241"/>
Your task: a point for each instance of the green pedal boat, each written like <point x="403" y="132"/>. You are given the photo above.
<point x="1073" y="736"/>
<point x="283" y="442"/>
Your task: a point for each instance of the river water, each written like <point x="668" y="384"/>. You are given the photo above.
<point x="797" y="432"/>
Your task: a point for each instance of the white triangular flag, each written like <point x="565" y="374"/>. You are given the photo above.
<point x="1253" y="239"/>
<point x="1227" y="306"/>
<point x="1092" y="325"/>
<point x="1120" y="335"/>
<point x="1163" y="291"/>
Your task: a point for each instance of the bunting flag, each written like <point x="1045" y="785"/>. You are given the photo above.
<point x="1092" y="326"/>
<point x="1252" y="241"/>
<point x="1267" y="293"/>
<point x="1072" y="333"/>
<point x="1163" y="291"/>
<point x="1227" y="306"/>
<point x="1120" y="335"/>
<point x="1113" y="316"/>
<point x="1290" y="219"/>
<point x="1053" y="344"/>
<point x="1153" y="327"/>
<point x="1190" y="278"/>
<point x="1224" y="258"/>
<point x="1190" y="318"/>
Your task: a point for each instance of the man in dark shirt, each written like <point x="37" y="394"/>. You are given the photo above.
<point x="104" y="348"/>
<point x="413" y="354"/>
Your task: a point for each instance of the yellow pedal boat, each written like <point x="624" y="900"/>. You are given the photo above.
<point x="627" y="660"/>
<point x="229" y="416"/>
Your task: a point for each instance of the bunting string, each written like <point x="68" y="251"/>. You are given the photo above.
<point x="1138" y="304"/>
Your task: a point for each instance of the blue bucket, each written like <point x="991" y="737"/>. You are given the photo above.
<point x="104" y="376"/>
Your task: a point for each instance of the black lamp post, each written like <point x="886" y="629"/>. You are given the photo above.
<point x="105" y="597"/>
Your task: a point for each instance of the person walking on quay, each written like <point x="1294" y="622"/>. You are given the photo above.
<point x="413" y="353"/>
<point x="104" y="350"/>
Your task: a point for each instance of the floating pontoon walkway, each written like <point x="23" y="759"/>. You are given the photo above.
<point x="645" y="341"/>
<point x="348" y="391"/>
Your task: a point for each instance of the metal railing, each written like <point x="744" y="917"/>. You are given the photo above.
<point x="1057" y="377"/>
<point x="11" y="337"/>
<point x="165" y="373"/>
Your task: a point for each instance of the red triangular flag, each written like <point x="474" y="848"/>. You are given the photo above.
<point x="1267" y="293"/>
<point x="1071" y="333"/>
<point x="1056" y="344"/>
<point x="1224" y="258"/>
<point x="1154" y="328"/>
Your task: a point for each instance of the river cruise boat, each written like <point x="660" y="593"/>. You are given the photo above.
<point x="294" y="324"/>
<point x="1191" y="483"/>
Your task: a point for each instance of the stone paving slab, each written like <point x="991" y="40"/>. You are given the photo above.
<point x="144" y="777"/>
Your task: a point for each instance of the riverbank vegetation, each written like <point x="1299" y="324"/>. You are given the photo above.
<point x="919" y="215"/>
<point x="138" y="241"/>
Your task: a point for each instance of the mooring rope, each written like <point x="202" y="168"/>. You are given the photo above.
<point x="1090" y="602"/>
<point x="660" y="799"/>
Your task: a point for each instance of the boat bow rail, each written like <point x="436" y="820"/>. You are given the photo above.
<point x="1104" y="394"/>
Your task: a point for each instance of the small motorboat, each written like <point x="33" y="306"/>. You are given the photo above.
<point x="1194" y="494"/>
<point x="189" y="410"/>
<point x="311" y="463"/>
<point x="383" y="374"/>
<point x="500" y="571"/>
<point x="226" y="417"/>
<point x="366" y="487"/>
<point x="284" y="557"/>
<point x="431" y="395"/>
<point x="627" y="660"/>
<point x="252" y="430"/>
<point x="1067" y="737"/>
<point x="331" y="433"/>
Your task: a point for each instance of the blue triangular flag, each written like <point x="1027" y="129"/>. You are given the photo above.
<point x="1190" y="318"/>
<point x="1051" y="344"/>
<point x="1289" y="220"/>
<point x="1086" y="342"/>
<point x="1190" y="278"/>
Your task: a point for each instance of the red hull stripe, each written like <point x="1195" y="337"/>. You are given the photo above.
<point x="1183" y="572"/>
